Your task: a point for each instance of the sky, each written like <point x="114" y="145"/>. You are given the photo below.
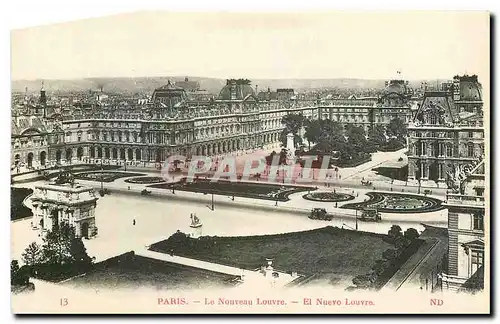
<point x="368" y="45"/>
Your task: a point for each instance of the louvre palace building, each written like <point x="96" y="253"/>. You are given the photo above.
<point x="181" y="119"/>
<point x="446" y="134"/>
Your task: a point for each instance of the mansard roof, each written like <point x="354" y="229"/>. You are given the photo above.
<point x="441" y="101"/>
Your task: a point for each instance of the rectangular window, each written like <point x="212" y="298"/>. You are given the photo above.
<point x="477" y="260"/>
<point x="478" y="222"/>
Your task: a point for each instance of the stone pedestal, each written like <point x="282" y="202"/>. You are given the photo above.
<point x="290" y="146"/>
<point x="196" y="232"/>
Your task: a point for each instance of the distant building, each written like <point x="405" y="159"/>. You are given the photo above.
<point x="393" y="102"/>
<point x="189" y="86"/>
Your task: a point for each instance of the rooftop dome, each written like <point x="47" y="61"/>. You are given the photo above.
<point x="396" y="86"/>
<point x="236" y="90"/>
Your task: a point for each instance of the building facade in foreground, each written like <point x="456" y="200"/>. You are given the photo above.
<point x="446" y="134"/>
<point x="466" y="215"/>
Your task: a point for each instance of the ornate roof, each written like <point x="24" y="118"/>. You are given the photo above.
<point x="441" y="103"/>
<point x="398" y="87"/>
<point x="236" y="89"/>
<point x="470" y="88"/>
<point x="23" y="124"/>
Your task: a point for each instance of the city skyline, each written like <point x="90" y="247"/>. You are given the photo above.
<point x="256" y="46"/>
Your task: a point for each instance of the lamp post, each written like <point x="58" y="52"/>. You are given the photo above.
<point x="356" y="219"/>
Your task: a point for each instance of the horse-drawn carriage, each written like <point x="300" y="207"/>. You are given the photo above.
<point x="145" y="192"/>
<point x="366" y="183"/>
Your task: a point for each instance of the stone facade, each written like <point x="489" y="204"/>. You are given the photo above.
<point x="73" y="204"/>
<point x="466" y="229"/>
<point x="446" y="134"/>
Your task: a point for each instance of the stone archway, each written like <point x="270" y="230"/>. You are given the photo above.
<point x="79" y="153"/>
<point x="115" y="153"/>
<point x="107" y="153"/>
<point x="92" y="152"/>
<point x="138" y="154"/>
<point x="130" y="154"/>
<point x="69" y="155"/>
<point x="29" y="160"/>
<point x="85" y="230"/>
<point x="58" y="156"/>
<point x="43" y="158"/>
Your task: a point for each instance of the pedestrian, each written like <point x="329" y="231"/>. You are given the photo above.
<point x="133" y="222"/>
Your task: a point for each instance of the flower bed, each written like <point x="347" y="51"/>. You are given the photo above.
<point x="328" y="196"/>
<point x="238" y="189"/>
<point x="397" y="203"/>
<point x="145" y="180"/>
<point x="105" y="176"/>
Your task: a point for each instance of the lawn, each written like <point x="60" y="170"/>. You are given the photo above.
<point x="264" y="191"/>
<point x="132" y="271"/>
<point x="17" y="209"/>
<point x="331" y="253"/>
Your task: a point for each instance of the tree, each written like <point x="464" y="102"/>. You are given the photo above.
<point x="313" y="132"/>
<point x="401" y="242"/>
<point x="293" y="123"/>
<point x="19" y="276"/>
<point x="356" y="138"/>
<point x="390" y="254"/>
<point x="377" y="135"/>
<point x="395" y="232"/>
<point x="14" y="268"/>
<point x="411" y="234"/>
<point x="380" y="267"/>
<point x="61" y="246"/>
<point x="397" y="128"/>
<point x="32" y="254"/>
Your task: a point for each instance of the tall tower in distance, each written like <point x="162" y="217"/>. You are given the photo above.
<point x="43" y="101"/>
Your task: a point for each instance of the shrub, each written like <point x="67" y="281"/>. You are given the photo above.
<point x="390" y="254"/>
<point x="411" y="234"/>
<point x="364" y="281"/>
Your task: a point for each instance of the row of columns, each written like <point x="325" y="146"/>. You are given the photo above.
<point x="425" y="167"/>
